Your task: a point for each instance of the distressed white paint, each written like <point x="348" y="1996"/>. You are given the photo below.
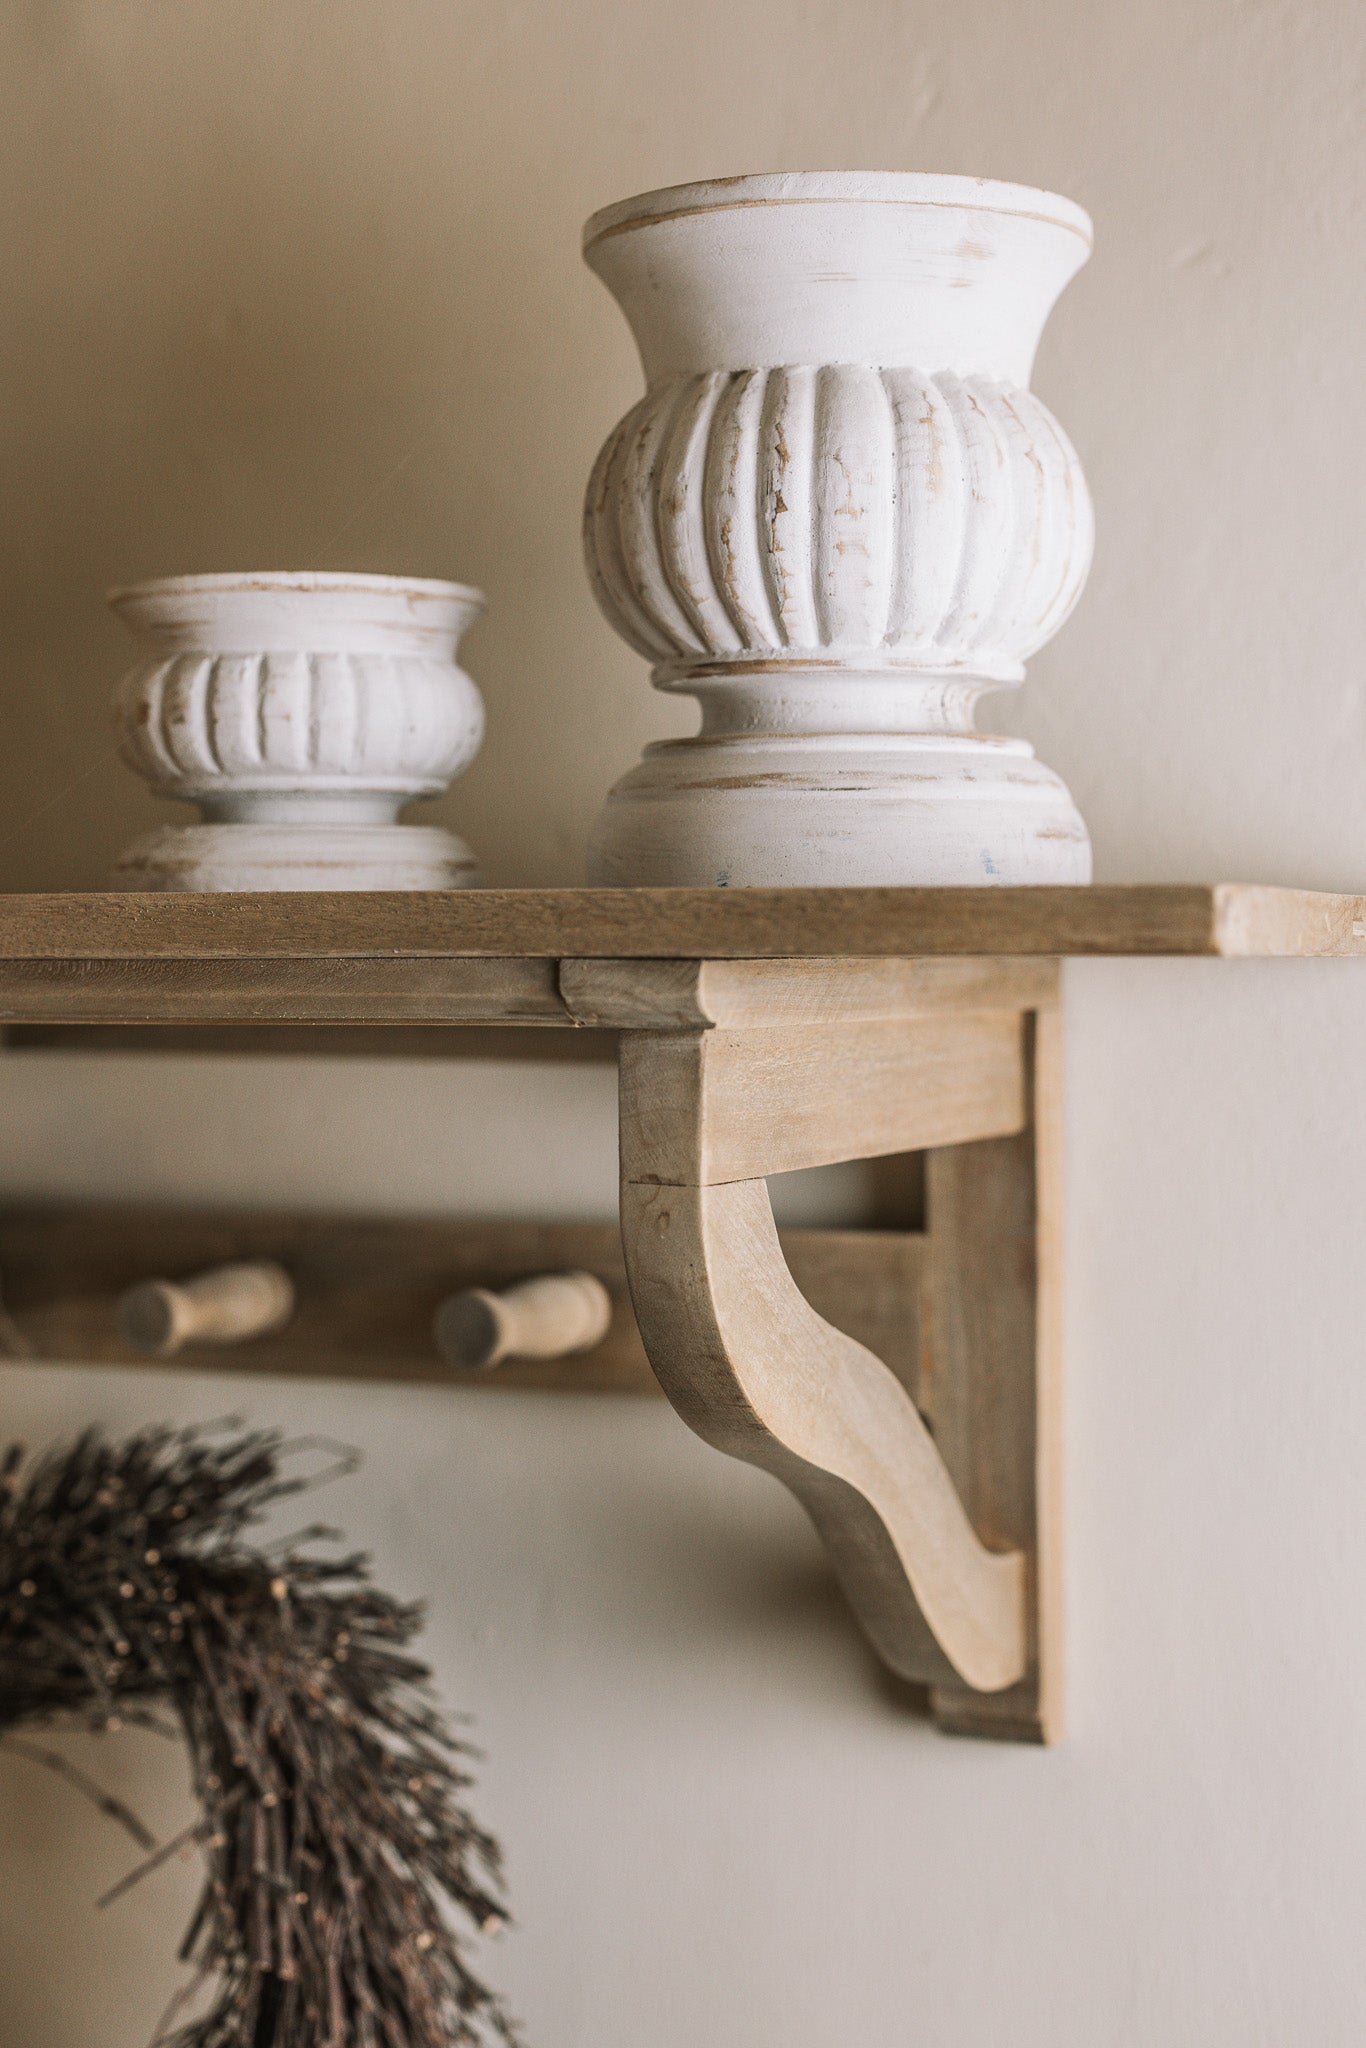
<point x="299" y="711"/>
<point x="838" y="516"/>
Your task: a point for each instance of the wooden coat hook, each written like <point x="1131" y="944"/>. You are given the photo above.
<point x="553" y="1315"/>
<point x="548" y="1316"/>
<point x="225" y="1305"/>
<point x="368" y="1288"/>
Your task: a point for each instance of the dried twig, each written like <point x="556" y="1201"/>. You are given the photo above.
<point x="52" y="1760"/>
<point x="338" y="1848"/>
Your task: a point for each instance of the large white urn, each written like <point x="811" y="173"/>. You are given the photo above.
<point x="837" y="517"/>
<point x="299" y="711"/>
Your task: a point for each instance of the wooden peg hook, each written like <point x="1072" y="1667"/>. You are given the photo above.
<point x="550" y="1316"/>
<point x="226" y="1305"/>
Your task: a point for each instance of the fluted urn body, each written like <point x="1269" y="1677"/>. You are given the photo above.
<point x="299" y="711"/>
<point x="836" y="518"/>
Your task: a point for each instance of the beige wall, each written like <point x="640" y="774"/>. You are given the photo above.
<point x="296" y="284"/>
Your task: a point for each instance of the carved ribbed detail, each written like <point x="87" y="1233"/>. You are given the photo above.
<point x="883" y="518"/>
<point x="385" y="721"/>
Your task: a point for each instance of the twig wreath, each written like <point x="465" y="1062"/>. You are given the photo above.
<point x="338" y="1850"/>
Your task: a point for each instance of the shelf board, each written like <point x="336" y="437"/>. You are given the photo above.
<point x="1223" y="920"/>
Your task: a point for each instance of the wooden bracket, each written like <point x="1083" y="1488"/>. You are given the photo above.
<point x="941" y="1525"/>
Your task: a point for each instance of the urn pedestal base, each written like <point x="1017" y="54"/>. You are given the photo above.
<point x="920" y="810"/>
<point x="289" y="856"/>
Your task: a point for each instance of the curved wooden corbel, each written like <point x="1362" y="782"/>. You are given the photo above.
<point x="758" y="1374"/>
<point x="734" y="1070"/>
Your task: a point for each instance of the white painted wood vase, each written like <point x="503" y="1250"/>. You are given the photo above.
<point x="299" y="711"/>
<point x="837" y="517"/>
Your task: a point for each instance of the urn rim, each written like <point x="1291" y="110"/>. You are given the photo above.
<point x="875" y="188"/>
<point x="305" y="581"/>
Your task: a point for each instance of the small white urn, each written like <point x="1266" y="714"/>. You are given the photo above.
<point x="299" y="711"/>
<point x="837" y="518"/>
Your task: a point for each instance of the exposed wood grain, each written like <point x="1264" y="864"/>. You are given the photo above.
<point x="758" y="1374"/>
<point x="869" y="1284"/>
<point x="690" y="995"/>
<point x="991" y="1383"/>
<point x="727" y="1105"/>
<point x="346" y="991"/>
<point x="1250" y="922"/>
<point x="679" y="923"/>
<point x="367" y="1289"/>
<point x="752" y="1367"/>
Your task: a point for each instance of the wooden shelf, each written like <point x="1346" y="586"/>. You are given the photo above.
<point x="1228" y="920"/>
<point x="497" y="957"/>
<point x="757" y="1031"/>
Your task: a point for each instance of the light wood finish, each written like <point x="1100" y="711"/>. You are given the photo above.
<point x="549" y="1315"/>
<point x="749" y="1365"/>
<point x="227" y="1305"/>
<point x="367" y="1290"/>
<point x="870" y="1284"/>
<point x="725" y="1105"/>
<point x="1233" y="920"/>
<point x="692" y="995"/>
<point x="758" y="1374"/>
<point x="993" y="1371"/>
<point x="343" y="991"/>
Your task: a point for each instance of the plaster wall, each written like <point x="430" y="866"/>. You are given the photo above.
<point x="297" y="284"/>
